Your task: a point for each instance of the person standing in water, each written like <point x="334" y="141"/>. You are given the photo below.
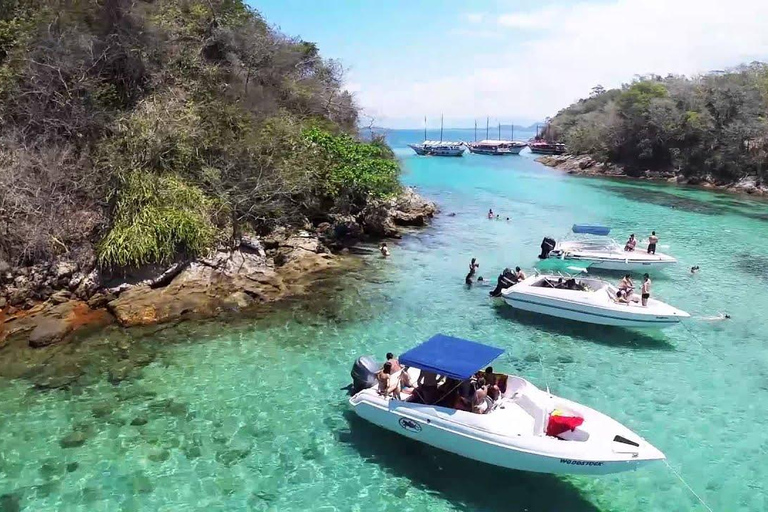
<point x="383" y="249"/>
<point x="646" y="290"/>
<point x="473" y="266"/>
<point x="652" y="241"/>
<point x="490" y="213"/>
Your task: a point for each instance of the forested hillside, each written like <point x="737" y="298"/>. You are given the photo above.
<point x="713" y="126"/>
<point x="134" y="131"/>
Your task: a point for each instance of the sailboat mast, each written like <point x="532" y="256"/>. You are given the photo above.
<point x="512" y="126"/>
<point x="486" y="128"/>
<point x="425" y="127"/>
<point x="475" y="130"/>
<point x="499" y="130"/>
<point x="441" y="127"/>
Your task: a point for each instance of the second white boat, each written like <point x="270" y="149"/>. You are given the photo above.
<point x="588" y="300"/>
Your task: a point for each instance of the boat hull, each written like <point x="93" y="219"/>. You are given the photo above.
<point x="430" y="151"/>
<point x="493" y="152"/>
<point x="589" y="314"/>
<point x="409" y="421"/>
<point x="617" y="264"/>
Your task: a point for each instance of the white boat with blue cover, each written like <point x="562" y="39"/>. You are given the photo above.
<point x="514" y="433"/>
<point x="590" y="300"/>
<point x="595" y="250"/>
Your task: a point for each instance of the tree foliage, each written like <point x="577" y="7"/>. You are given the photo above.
<point x="164" y="122"/>
<point x="712" y="125"/>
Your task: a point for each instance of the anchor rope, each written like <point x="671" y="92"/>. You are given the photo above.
<point x="679" y="477"/>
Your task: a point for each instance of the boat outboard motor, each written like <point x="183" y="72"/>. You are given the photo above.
<point x="506" y="279"/>
<point x="546" y="247"/>
<point x="364" y="373"/>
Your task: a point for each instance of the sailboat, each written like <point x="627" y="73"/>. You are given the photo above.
<point x="497" y="147"/>
<point x="437" y="148"/>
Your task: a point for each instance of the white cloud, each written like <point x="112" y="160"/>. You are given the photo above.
<point x="576" y="48"/>
<point x="474" y="17"/>
<point x="540" y="19"/>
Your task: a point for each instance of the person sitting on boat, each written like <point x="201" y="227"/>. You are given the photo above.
<point x="490" y="213"/>
<point x="392" y="360"/>
<point x="385" y="386"/>
<point x="519" y="274"/>
<point x="631" y="243"/>
<point x="626" y="284"/>
<point x="491" y="382"/>
<point x="481" y="403"/>
<point x="427" y="386"/>
<point x="622" y="296"/>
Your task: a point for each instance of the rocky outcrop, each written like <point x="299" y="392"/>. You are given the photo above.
<point x="383" y="218"/>
<point x="586" y="165"/>
<point x="50" y="322"/>
<point x="229" y="280"/>
<point x="46" y="304"/>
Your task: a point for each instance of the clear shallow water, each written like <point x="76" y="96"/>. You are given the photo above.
<point x="251" y="414"/>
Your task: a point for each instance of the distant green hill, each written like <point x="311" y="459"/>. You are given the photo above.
<point x="712" y="126"/>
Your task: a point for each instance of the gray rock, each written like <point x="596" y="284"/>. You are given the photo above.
<point x="48" y="331"/>
<point x="64" y="269"/>
<point x="139" y="420"/>
<point x="73" y="440"/>
<point x="3" y="302"/>
<point x="10" y="502"/>
<point x="120" y="371"/>
<point x="61" y="297"/>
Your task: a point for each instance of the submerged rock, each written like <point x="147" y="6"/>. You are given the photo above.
<point x="73" y="439"/>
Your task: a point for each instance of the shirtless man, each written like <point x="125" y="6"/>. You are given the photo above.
<point x="385" y="386"/>
<point x="383" y="249"/>
<point x="627" y="285"/>
<point x="646" y="290"/>
<point x="652" y="241"/>
<point x="394" y="362"/>
<point x="519" y="274"/>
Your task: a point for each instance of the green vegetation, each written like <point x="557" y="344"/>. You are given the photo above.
<point x="141" y="131"/>
<point x="712" y="126"/>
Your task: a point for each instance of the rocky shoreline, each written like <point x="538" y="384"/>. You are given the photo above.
<point x="47" y="304"/>
<point x="584" y="165"/>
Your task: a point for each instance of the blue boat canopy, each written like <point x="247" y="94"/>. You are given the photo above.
<point x="452" y="357"/>
<point x="591" y="229"/>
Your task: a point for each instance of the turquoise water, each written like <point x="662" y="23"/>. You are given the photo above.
<point x="251" y="414"/>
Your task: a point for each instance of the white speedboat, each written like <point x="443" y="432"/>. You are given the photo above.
<point x="588" y="300"/>
<point x="525" y="428"/>
<point x="497" y="147"/>
<point x="603" y="253"/>
<point x="438" y="148"/>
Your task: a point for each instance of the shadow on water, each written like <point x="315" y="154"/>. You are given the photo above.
<point x="602" y="334"/>
<point x="666" y="199"/>
<point x="753" y="265"/>
<point x="466" y="484"/>
<point x="676" y="202"/>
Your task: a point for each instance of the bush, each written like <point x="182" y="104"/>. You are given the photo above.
<point x="155" y="219"/>
<point x="355" y="170"/>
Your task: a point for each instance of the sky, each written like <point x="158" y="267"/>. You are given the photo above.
<point x="513" y="60"/>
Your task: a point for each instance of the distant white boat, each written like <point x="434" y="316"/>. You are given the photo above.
<point x="596" y="251"/>
<point x="497" y="147"/>
<point x="525" y="428"/>
<point x="588" y="300"/>
<point x="438" y="148"/>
